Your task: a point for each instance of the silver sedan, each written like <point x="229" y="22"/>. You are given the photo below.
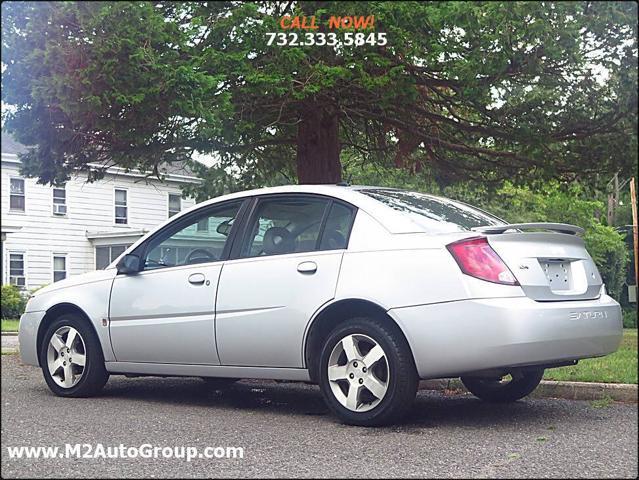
<point x="363" y="290"/>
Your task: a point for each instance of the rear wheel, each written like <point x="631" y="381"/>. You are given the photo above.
<point x="71" y="358"/>
<point x="509" y="388"/>
<point x="367" y="374"/>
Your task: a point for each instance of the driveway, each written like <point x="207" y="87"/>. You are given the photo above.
<point x="10" y="343"/>
<point x="285" y="430"/>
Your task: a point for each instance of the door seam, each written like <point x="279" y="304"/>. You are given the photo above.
<point x="217" y="289"/>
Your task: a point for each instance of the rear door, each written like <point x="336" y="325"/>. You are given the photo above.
<point x="549" y="266"/>
<point x="286" y="268"/>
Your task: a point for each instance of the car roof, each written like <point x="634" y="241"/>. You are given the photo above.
<point x="391" y="219"/>
<point x="348" y="193"/>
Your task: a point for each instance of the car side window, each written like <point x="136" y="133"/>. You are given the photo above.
<point x="337" y="228"/>
<point x="284" y="225"/>
<point x="200" y="240"/>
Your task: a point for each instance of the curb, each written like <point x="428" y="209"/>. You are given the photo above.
<point x="10" y="334"/>
<point x="619" y="392"/>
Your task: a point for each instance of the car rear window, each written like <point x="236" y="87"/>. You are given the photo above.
<point x="433" y="214"/>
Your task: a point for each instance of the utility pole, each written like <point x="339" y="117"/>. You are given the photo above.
<point x="635" y="227"/>
<point x="613" y="197"/>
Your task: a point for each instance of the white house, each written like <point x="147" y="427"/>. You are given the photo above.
<point x="50" y="233"/>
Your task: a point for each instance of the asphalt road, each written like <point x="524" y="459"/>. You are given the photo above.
<point x="285" y="431"/>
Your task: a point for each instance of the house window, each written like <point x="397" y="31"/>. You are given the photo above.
<point x="175" y="204"/>
<point x="16" y="194"/>
<point x="106" y="254"/>
<point x="59" y="267"/>
<point x="121" y="209"/>
<point x="59" y="201"/>
<point x="16" y="270"/>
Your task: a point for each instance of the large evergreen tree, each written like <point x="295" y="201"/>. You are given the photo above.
<point x="465" y="89"/>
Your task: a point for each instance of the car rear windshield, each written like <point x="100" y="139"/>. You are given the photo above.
<point x="433" y="214"/>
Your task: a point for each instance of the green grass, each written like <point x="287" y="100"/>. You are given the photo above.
<point x="10" y="325"/>
<point x="602" y="403"/>
<point x="619" y="367"/>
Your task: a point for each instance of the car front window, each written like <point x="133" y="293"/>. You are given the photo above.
<point x="433" y="214"/>
<point x="201" y="239"/>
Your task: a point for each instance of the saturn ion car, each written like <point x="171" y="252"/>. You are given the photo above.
<point x="362" y="290"/>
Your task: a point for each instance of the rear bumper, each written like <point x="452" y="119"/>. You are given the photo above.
<point x="450" y="339"/>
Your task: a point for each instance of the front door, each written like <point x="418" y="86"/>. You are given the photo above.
<point x="288" y="268"/>
<point x="165" y="313"/>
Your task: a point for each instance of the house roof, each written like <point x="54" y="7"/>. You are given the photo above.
<point x="10" y="145"/>
<point x="176" y="169"/>
<point x="115" y="234"/>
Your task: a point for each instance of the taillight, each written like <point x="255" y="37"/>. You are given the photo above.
<point x="476" y="258"/>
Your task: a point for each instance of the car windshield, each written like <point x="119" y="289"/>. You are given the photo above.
<point x="433" y="214"/>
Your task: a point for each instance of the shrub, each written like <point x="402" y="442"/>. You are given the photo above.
<point x="630" y="318"/>
<point x="608" y="249"/>
<point x="13" y="302"/>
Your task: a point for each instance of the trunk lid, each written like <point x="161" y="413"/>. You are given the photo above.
<point x="549" y="266"/>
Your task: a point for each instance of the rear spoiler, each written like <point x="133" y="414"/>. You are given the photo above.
<point x="553" y="227"/>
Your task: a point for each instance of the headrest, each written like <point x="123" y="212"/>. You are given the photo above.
<point x="278" y="240"/>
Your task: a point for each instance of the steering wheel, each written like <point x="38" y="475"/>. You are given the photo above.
<point x="200" y="255"/>
<point x="157" y="263"/>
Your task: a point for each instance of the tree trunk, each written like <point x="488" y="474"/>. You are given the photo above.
<point x="318" y="146"/>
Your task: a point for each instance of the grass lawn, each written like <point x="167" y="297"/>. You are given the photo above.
<point x="620" y="367"/>
<point x="10" y="325"/>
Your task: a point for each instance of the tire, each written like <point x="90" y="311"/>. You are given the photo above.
<point x="492" y="390"/>
<point x="83" y="381"/>
<point x="395" y="371"/>
<point x="219" y="382"/>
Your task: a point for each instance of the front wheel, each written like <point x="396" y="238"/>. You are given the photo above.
<point x="367" y="373"/>
<point x="71" y="358"/>
<point x="509" y="388"/>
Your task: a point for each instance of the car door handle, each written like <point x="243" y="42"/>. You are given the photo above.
<point x="307" y="267"/>
<point x="196" y="278"/>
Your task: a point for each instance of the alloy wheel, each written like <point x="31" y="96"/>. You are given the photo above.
<point x="358" y="372"/>
<point x="66" y="357"/>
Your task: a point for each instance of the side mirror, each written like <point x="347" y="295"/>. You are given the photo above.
<point x="224" y="228"/>
<point x="129" y="264"/>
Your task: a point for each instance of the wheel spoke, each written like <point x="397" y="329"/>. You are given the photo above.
<point x="348" y="344"/>
<point x="68" y="375"/>
<point x="71" y="337"/>
<point x="352" y="400"/>
<point x="78" y="359"/>
<point x="376" y="353"/>
<point x="337" y="372"/>
<point x="55" y="365"/>
<point x="56" y="342"/>
<point x="376" y="387"/>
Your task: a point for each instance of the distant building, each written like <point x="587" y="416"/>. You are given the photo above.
<point x="50" y="233"/>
